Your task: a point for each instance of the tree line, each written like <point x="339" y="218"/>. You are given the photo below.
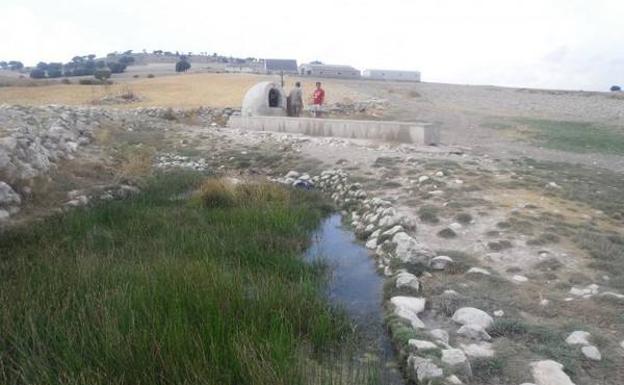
<point x="80" y="66"/>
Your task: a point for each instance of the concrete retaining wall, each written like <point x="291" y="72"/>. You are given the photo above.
<point x="401" y="132"/>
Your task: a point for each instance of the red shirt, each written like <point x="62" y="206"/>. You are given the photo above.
<point x="319" y="96"/>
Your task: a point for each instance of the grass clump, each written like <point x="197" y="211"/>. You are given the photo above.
<point x="429" y="214"/>
<point x="153" y="290"/>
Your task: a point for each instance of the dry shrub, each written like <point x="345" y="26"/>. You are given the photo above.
<point x="135" y="161"/>
<point x="413" y="94"/>
<point x="225" y="192"/>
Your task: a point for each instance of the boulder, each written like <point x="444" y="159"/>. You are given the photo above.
<point x="440" y="262"/>
<point x="478" y="270"/>
<point x="408" y="250"/>
<point x="423" y="369"/>
<point x="549" y="372"/>
<point x="457" y="361"/>
<point x="8" y="197"/>
<point x="473" y="316"/>
<point x="591" y="352"/>
<point x="408" y="308"/>
<point x="440" y="335"/>
<point x="474" y="332"/>
<point x="421" y="344"/>
<point x="407" y="280"/>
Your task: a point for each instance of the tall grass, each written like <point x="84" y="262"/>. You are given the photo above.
<point x="155" y="290"/>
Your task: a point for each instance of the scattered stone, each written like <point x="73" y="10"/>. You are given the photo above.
<point x="612" y="294"/>
<point x="421" y="344"/>
<point x="519" y="278"/>
<point x="549" y="372"/>
<point x="407" y="280"/>
<point x="4" y="215"/>
<point x="591" y="352"/>
<point x="423" y="368"/>
<point x="423" y="178"/>
<point x="578" y="337"/>
<point x="474" y="332"/>
<point x="440" y="262"/>
<point x="456" y="226"/>
<point x="473" y="316"/>
<point x="442" y="335"/>
<point x="371" y="244"/>
<point x="453" y="380"/>
<point x="480" y="350"/>
<point x="478" y="270"/>
<point x="499" y="313"/>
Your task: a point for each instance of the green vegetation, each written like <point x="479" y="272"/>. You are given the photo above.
<point x="576" y="136"/>
<point x="429" y="214"/>
<point x="160" y="289"/>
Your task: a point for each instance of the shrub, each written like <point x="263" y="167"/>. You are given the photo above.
<point x="150" y="76"/>
<point x="66" y="81"/>
<point x="102" y="74"/>
<point x="94" y="82"/>
<point x="616" y="89"/>
<point x="182" y="66"/>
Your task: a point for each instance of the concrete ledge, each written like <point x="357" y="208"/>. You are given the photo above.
<point x="400" y="132"/>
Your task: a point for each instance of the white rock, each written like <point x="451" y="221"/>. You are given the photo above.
<point x="456" y="226"/>
<point x="423" y="178"/>
<point x="453" y="380"/>
<point x="405" y="279"/>
<point x="480" y="350"/>
<point x="549" y="372"/>
<point x="292" y="174"/>
<point x="478" y="270"/>
<point x="456" y="359"/>
<point x="390" y="233"/>
<point x="439" y="174"/>
<point x="4" y="215"/>
<point x="591" y="352"/>
<point x="423" y="368"/>
<point x="440" y="335"/>
<point x="8" y="197"/>
<point x="371" y="244"/>
<point x="612" y="294"/>
<point x="409" y="308"/>
<point x="440" y="262"/>
<point x="421" y="344"/>
<point x="474" y="332"/>
<point x="473" y="316"/>
<point x="499" y="313"/>
<point x="520" y="278"/>
<point x="578" y="337"/>
<point x="409" y="250"/>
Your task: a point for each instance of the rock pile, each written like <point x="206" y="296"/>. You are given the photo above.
<point x="33" y="139"/>
<point x="168" y="161"/>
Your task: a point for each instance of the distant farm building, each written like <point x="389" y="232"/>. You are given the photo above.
<point x="329" y="71"/>
<point x="409" y="76"/>
<point x="276" y="66"/>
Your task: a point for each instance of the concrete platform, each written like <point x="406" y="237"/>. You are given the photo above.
<point x="400" y="132"/>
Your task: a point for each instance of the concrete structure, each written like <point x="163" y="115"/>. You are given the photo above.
<point x="375" y="74"/>
<point x="277" y="66"/>
<point x="264" y="99"/>
<point x="329" y="71"/>
<point x="400" y="132"/>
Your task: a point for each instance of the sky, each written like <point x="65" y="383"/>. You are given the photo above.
<point x="564" y="44"/>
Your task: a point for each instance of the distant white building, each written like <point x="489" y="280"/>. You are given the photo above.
<point x="408" y="76"/>
<point x="329" y="71"/>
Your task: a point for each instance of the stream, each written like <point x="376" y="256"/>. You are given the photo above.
<point x="356" y="286"/>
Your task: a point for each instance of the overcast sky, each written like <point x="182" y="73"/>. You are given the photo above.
<point x="570" y="44"/>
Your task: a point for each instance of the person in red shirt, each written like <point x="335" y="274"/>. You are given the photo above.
<point x="318" y="98"/>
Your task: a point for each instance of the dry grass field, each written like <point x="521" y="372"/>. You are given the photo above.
<point x="178" y="91"/>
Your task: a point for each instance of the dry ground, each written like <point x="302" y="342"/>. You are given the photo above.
<point x="177" y="91"/>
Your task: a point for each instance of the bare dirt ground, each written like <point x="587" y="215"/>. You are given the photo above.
<point x="526" y="184"/>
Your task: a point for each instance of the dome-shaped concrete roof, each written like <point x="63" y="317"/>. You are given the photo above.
<point x="264" y="99"/>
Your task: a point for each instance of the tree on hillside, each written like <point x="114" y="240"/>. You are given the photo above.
<point x="126" y="60"/>
<point x="616" y="89"/>
<point x="116" y="67"/>
<point x="42" y="66"/>
<point x="182" y="65"/>
<point x="15" y="65"/>
<point x="37" y="74"/>
<point x="55" y="70"/>
<point x="4" y="65"/>
<point x="100" y="64"/>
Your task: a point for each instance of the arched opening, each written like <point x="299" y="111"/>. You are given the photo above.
<point x="274" y="98"/>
